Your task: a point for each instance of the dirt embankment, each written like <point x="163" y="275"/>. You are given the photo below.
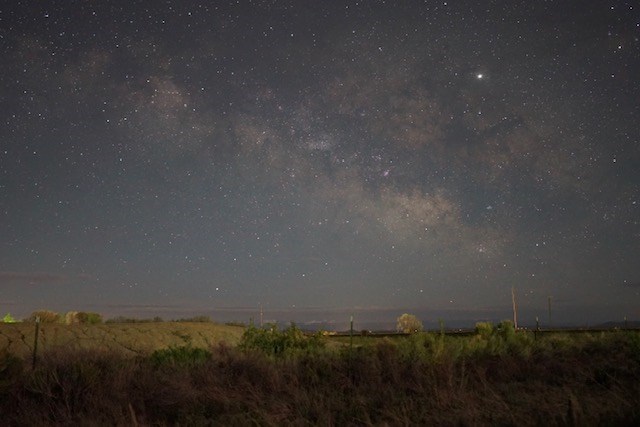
<point x="130" y="338"/>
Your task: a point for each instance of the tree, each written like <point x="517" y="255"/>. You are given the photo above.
<point x="409" y="324"/>
<point x="88" y="318"/>
<point x="8" y="318"/>
<point x="71" y="317"/>
<point x="45" y="316"/>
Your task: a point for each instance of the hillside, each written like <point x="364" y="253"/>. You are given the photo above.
<point x="130" y="338"/>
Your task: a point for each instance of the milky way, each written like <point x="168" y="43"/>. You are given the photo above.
<point x="186" y="156"/>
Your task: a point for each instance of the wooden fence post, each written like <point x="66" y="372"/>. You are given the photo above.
<point x="35" y="343"/>
<point x="351" y="334"/>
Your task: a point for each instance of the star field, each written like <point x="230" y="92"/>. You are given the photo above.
<point x="165" y="157"/>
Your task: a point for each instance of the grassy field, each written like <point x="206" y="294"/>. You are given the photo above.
<point x="128" y="338"/>
<point x="495" y="376"/>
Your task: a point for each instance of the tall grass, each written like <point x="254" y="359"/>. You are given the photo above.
<point x="497" y="376"/>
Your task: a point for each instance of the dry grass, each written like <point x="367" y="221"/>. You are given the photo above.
<point x="422" y="380"/>
<point x="129" y="338"/>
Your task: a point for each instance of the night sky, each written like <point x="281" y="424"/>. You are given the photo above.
<point x="320" y="158"/>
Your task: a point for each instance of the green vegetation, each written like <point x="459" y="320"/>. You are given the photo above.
<point x="182" y="356"/>
<point x="272" y="341"/>
<point x="496" y="376"/>
<point x="82" y="317"/>
<point x="8" y="318"/>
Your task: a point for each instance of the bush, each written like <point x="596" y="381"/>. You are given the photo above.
<point x="8" y="318"/>
<point x="90" y="318"/>
<point x="87" y="318"/>
<point x="484" y="329"/>
<point x="270" y="340"/>
<point x="45" y="316"/>
<point x="500" y="340"/>
<point x="506" y="329"/>
<point x="183" y="356"/>
<point x="426" y="347"/>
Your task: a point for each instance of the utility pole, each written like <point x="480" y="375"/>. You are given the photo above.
<point x="515" y="311"/>
<point x="549" y="307"/>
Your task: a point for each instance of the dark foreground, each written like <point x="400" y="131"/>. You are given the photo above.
<point x="495" y="377"/>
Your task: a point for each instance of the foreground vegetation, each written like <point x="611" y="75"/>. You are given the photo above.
<point x="496" y="377"/>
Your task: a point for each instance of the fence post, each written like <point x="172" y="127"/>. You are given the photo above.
<point x="35" y="343"/>
<point x="351" y="374"/>
<point x="351" y="334"/>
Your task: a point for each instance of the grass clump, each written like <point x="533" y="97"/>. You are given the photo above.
<point x="183" y="356"/>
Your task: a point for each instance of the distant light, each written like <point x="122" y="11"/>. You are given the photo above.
<point x="479" y="76"/>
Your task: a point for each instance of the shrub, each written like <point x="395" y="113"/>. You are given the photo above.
<point x="71" y="317"/>
<point x="484" y="329"/>
<point x="183" y="356"/>
<point x="83" y="317"/>
<point x="93" y="318"/>
<point x="8" y="318"/>
<point x="270" y="340"/>
<point x="506" y="329"/>
<point x="499" y="340"/>
<point x="422" y="347"/>
<point x="45" y="316"/>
